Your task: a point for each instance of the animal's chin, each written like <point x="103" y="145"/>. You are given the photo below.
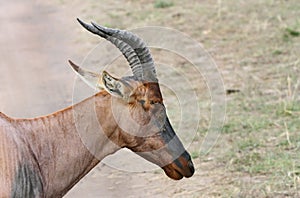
<point x="172" y="173"/>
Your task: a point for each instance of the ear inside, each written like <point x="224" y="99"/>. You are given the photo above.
<point x="90" y="78"/>
<point x="114" y="86"/>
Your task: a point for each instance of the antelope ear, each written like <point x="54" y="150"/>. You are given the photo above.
<point x="90" y="78"/>
<point x="115" y="86"/>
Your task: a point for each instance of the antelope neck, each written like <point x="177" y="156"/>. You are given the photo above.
<point x="60" y="149"/>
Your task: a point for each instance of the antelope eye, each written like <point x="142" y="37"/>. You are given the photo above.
<point x="152" y="102"/>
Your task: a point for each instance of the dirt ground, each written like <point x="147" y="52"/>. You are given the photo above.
<point x="255" y="45"/>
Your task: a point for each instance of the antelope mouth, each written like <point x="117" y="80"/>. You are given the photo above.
<point x="175" y="172"/>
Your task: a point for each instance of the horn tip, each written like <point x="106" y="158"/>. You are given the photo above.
<point x="78" y="19"/>
<point x="82" y="23"/>
<point x="74" y="66"/>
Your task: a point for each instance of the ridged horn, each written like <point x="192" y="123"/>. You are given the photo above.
<point x="127" y="51"/>
<point x="131" y="46"/>
<point x="138" y="45"/>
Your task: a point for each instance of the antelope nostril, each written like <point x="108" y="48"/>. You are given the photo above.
<point x="191" y="166"/>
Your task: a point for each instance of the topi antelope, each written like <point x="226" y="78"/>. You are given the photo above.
<point x="46" y="157"/>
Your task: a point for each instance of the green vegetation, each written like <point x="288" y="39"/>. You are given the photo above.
<point x="292" y="32"/>
<point x="163" y="4"/>
<point x="195" y="154"/>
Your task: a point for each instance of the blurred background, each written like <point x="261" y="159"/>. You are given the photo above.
<point x="256" y="45"/>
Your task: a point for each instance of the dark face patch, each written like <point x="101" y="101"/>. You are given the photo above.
<point x="156" y="140"/>
<point x="27" y="183"/>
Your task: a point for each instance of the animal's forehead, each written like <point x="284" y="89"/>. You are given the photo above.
<point x="153" y="90"/>
<point x="148" y="89"/>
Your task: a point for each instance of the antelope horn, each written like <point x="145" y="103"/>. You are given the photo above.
<point x="133" y="48"/>
<point x="138" y="45"/>
<point x="126" y="50"/>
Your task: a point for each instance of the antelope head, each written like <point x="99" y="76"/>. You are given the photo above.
<point x="140" y="115"/>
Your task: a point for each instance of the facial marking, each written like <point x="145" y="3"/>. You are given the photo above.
<point x="148" y="94"/>
<point x="148" y="132"/>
